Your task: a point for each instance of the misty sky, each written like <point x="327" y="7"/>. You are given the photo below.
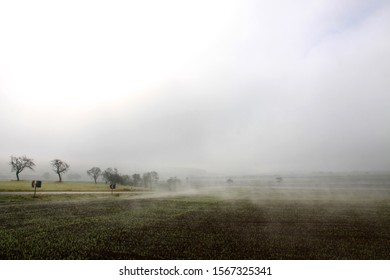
<point x="226" y="86"/>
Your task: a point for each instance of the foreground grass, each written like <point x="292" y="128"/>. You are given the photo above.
<point x="262" y="225"/>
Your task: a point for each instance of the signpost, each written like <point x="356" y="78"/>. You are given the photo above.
<point x="112" y="187"/>
<point x="36" y="184"/>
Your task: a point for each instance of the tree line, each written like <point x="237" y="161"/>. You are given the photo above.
<point x="112" y="176"/>
<point x="109" y="176"/>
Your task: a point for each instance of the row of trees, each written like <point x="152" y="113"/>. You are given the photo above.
<point x="18" y="164"/>
<point x="110" y="175"/>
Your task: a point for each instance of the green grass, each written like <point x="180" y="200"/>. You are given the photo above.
<point x="11" y="199"/>
<point x="234" y="224"/>
<point x="63" y="186"/>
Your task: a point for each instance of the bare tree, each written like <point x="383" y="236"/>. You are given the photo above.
<point x="59" y="167"/>
<point x="18" y="164"/>
<point x="95" y="173"/>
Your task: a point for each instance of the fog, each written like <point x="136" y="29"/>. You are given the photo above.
<point x="222" y="87"/>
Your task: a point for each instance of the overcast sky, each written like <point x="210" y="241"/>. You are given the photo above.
<point x="225" y="86"/>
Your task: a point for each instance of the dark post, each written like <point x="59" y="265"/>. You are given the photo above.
<point x="33" y="184"/>
<point x="36" y="184"/>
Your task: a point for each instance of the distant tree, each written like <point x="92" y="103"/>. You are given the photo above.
<point x="95" y="173"/>
<point x="106" y="174"/>
<point x="137" y="180"/>
<point x="154" y="177"/>
<point x="18" y="164"/>
<point x="229" y="181"/>
<point x="125" y="180"/>
<point x="150" y="179"/>
<point x="112" y="176"/>
<point x="146" y="179"/>
<point x="59" y="167"/>
<point x="173" y="182"/>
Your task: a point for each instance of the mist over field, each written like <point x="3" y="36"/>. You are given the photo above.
<point x="199" y="88"/>
<point x="210" y="130"/>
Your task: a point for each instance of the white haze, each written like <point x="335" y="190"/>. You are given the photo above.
<point x="232" y="87"/>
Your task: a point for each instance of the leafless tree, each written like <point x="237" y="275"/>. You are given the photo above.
<point x="59" y="167"/>
<point x="18" y="164"/>
<point x="94" y="172"/>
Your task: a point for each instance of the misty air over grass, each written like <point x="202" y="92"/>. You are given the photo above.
<point x="198" y="92"/>
<point x="339" y="217"/>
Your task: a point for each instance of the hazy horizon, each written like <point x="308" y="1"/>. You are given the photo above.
<point x="228" y="87"/>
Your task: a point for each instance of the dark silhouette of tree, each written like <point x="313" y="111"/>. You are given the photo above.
<point x="59" y="167"/>
<point x="112" y="176"/>
<point x="18" y="164"/>
<point x="107" y="175"/>
<point x="137" y="180"/>
<point x="95" y="173"/>
<point x="125" y="180"/>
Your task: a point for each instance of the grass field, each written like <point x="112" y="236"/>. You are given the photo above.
<point x="234" y="223"/>
<point x="17" y="186"/>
